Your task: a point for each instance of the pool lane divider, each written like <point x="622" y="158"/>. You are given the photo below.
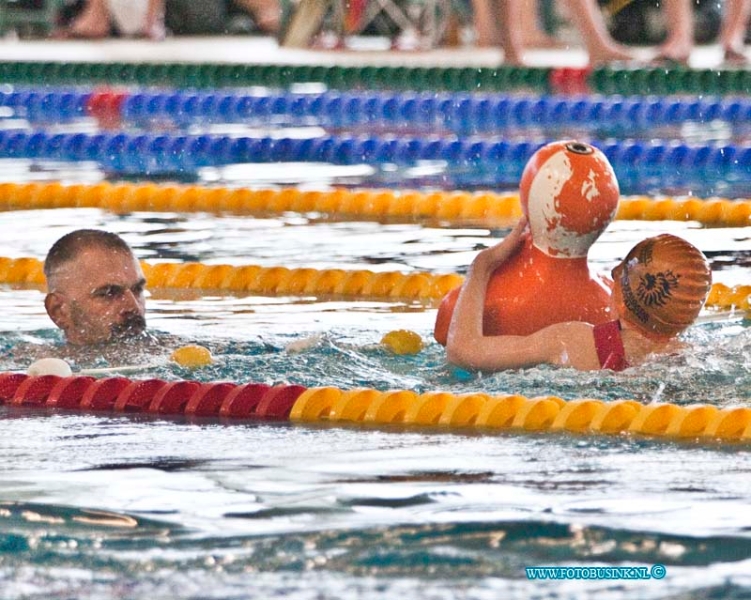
<point x="463" y="112"/>
<point x="300" y="404"/>
<point x="221" y="75"/>
<point x="254" y="279"/>
<point x="303" y="281"/>
<point x="150" y="154"/>
<point x="460" y="112"/>
<point x="460" y="207"/>
<point x="610" y="79"/>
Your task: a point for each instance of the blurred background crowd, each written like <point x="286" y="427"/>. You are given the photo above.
<point x="607" y="29"/>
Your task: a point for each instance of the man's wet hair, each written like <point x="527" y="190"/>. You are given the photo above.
<point x="72" y="244"/>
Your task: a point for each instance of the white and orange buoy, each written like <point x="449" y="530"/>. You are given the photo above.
<point x="569" y="194"/>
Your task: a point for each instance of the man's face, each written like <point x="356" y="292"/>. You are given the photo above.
<point x="98" y="297"/>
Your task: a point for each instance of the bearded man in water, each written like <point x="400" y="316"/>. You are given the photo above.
<point x="95" y="288"/>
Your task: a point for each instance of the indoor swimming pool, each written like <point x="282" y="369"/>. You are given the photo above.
<point x="102" y="504"/>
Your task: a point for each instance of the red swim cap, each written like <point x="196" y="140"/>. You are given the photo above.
<point x="661" y="285"/>
<point x="569" y="193"/>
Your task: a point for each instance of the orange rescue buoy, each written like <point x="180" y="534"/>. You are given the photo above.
<point x="569" y="193"/>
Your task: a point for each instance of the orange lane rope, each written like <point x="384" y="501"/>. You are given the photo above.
<point x="283" y="281"/>
<point x="483" y="207"/>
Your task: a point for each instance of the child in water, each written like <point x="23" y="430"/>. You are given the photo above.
<point x="659" y="290"/>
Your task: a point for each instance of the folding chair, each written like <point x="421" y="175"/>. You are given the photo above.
<point x="424" y="19"/>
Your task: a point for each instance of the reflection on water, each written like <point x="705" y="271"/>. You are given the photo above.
<point x="657" y="180"/>
<point x="247" y="509"/>
<point x="477" y="549"/>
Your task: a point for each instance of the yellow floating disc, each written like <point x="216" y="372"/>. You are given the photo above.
<point x="192" y="356"/>
<point x="402" y="341"/>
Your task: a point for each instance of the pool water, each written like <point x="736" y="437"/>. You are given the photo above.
<point x="136" y="507"/>
<point x="102" y="506"/>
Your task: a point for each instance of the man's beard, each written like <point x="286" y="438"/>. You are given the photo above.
<point x="133" y="326"/>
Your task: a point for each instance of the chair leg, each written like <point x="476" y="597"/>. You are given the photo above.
<point x="305" y="22"/>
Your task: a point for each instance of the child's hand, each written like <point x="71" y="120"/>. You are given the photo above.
<point x="491" y="258"/>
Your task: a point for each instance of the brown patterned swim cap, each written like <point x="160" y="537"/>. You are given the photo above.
<point x="661" y="285"/>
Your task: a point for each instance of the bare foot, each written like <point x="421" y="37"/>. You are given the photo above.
<point x="540" y="39"/>
<point x="487" y="36"/>
<point x="265" y="13"/>
<point x="677" y="53"/>
<point x="92" y="23"/>
<point x="77" y="34"/>
<point x="609" y="54"/>
<point x="513" y="58"/>
<point x="735" y="56"/>
<point x="89" y="29"/>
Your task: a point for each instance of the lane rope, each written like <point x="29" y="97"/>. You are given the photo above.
<point x="608" y="79"/>
<point x="448" y="111"/>
<point x="283" y="281"/>
<point x="484" y="207"/>
<point x="289" y="402"/>
<point x="495" y="158"/>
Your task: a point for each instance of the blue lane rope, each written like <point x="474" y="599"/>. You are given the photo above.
<point x="150" y="154"/>
<point x="457" y="112"/>
<point x="461" y="112"/>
